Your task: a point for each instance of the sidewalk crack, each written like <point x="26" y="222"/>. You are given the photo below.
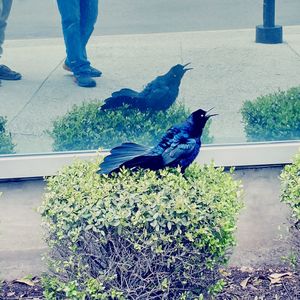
<point x="293" y="50"/>
<point x="36" y="92"/>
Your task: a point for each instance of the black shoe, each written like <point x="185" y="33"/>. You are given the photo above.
<point x="93" y="72"/>
<point x="85" y="80"/>
<point x="7" y="74"/>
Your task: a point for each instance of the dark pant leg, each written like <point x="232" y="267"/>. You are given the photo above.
<point x="89" y="14"/>
<point x="4" y="13"/>
<point x="70" y="19"/>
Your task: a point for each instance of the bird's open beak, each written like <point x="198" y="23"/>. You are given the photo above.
<point x="186" y="69"/>
<point x="210" y="115"/>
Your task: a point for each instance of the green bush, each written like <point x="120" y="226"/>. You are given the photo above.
<point x="6" y="145"/>
<point x="142" y="235"/>
<point x="273" y="117"/>
<point x="290" y="185"/>
<point x="86" y="128"/>
<point x="290" y="194"/>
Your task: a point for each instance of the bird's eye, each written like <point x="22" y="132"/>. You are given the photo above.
<point x="174" y="75"/>
<point x="202" y="116"/>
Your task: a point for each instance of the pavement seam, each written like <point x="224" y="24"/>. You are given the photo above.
<point x="27" y="134"/>
<point x="36" y="91"/>
<point x="293" y="50"/>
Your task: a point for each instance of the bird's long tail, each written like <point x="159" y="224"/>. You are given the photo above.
<point x="130" y="155"/>
<point x="119" y="98"/>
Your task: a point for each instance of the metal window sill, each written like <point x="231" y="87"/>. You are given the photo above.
<point x="22" y="166"/>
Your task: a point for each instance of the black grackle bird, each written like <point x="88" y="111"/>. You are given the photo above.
<point x="178" y="147"/>
<point x="159" y="94"/>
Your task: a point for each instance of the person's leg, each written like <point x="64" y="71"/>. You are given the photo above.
<point x="70" y="18"/>
<point x="5" y="72"/>
<point x="5" y="6"/>
<point x="89" y="14"/>
<point x="79" y="65"/>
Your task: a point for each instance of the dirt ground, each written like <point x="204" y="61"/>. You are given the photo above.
<point x="29" y="288"/>
<point x="241" y="283"/>
<point x="263" y="284"/>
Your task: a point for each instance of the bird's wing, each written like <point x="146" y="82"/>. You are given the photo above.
<point x="167" y="139"/>
<point x="157" y="87"/>
<point x="119" y="98"/>
<point x="120" y="155"/>
<point x="158" y="94"/>
<point x="179" y="149"/>
<point x="125" y="92"/>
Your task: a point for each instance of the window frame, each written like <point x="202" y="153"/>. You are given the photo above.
<point x="25" y="166"/>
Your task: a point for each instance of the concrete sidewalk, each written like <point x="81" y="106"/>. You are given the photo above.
<point x="229" y="68"/>
<point x="21" y="237"/>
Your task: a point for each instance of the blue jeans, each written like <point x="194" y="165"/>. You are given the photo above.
<point x="78" y="18"/>
<point x="5" y="6"/>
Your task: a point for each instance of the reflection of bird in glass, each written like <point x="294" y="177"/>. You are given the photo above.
<point x="159" y="94"/>
<point x="178" y="147"/>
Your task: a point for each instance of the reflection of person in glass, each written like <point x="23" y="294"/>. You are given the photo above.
<point x="5" y="72"/>
<point x="78" y="19"/>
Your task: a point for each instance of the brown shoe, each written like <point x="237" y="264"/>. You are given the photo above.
<point x="67" y="68"/>
<point x="93" y="72"/>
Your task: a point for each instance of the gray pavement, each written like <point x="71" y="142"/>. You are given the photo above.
<point x="21" y="236"/>
<point x="229" y="68"/>
<point x="262" y="234"/>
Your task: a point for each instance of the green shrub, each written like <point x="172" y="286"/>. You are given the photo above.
<point x="290" y="194"/>
<point x="6" y="145"/>
<point x="290" y="186"/>
<point x="273" y="117"/>
<point x="86" y="128"/>
<point x="141" y="235"/>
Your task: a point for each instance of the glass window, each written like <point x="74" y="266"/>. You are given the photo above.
<point x="253" y="87"/>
